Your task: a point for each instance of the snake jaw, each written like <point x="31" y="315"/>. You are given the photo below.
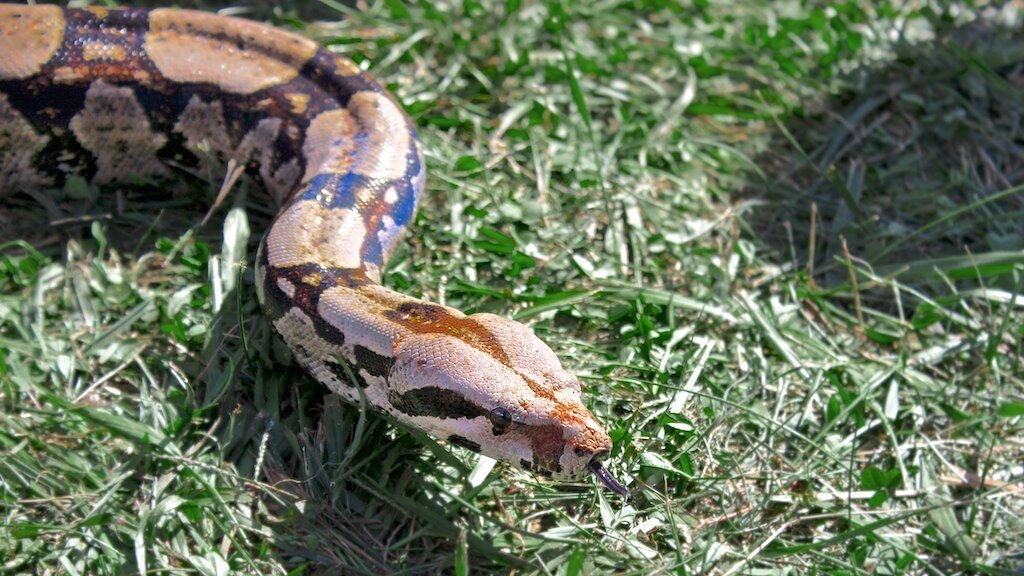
<point x="607" y="479"/>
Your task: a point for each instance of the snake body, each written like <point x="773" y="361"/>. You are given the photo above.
<point x="114" y="94"/>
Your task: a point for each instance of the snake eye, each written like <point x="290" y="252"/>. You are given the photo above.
<point x="501" y="419"/>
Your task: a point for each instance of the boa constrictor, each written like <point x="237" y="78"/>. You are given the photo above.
<point x="111" y="94"/>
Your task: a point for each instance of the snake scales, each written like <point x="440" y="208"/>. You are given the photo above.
<point x="115" y="94"/>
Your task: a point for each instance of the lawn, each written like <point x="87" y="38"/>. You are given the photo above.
<point x="782" y="243"/>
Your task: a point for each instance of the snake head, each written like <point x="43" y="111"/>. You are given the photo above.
<point x="490" y="385"/>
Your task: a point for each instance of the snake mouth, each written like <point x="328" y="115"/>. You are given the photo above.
<point x="606" y="478"/>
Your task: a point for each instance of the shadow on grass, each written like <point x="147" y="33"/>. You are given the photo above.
<point x="918" y="167"/>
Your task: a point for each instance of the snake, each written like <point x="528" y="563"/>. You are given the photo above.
<point x="113" y="95"/>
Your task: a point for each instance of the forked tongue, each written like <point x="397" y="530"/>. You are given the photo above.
<point x="606" y="478"/>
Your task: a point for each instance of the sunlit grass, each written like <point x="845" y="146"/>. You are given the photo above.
<point x="636" y="181"/>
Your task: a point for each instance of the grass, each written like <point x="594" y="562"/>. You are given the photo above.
<point x="781" y="243"/>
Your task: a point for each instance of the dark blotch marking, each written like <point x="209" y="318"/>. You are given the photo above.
<point x="437" y="402"/>
<point x="423" y="313"/>
<point x="346" y="373"/>
<point x="50" y="104"/>
<point x="548" y="445"/>
<point x="323" y="70"/>
<point x="373" y="363"/>
<point x="307" y="296"/>
<point x="427" y="318"/>
<point x="464" y="442"/>
<point x="530" y="467"/>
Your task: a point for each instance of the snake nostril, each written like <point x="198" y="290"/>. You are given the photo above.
<point x="581" y="452"/>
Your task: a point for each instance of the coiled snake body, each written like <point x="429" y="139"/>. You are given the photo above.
<point x="113" y="94"/>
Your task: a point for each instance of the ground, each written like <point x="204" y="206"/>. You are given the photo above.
<point x="782" y="243"/>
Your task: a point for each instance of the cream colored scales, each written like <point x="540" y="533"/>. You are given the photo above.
<point x="115" y="94"/>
